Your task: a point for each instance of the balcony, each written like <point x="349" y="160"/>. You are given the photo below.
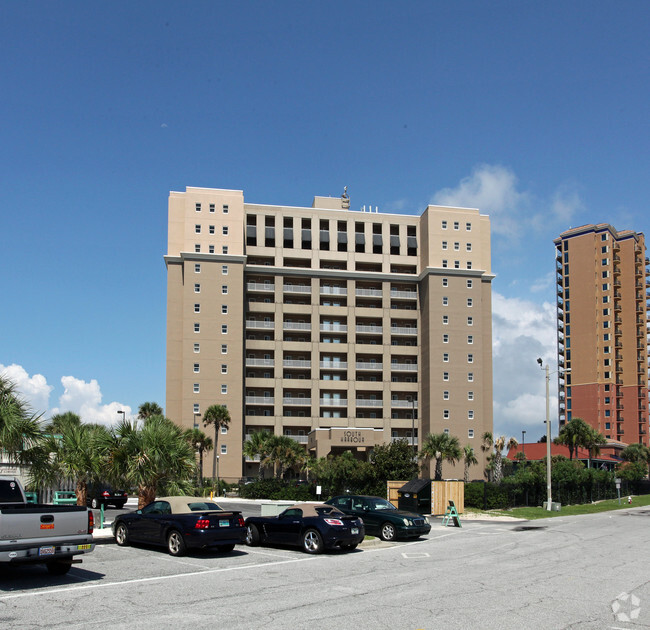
<point x="326" y="290"/>
<point x="333" y="365"/>
<point x="296" y="363"/>
<point x="296" y="326"/>
<point x="259" y="400"/>
<point x="362" y="365"/>
<point x="334" y="402"/>
<point x="404" y="367"/>
<point x="400" y="330"/>
<point x="252" y="362"/>
<point x="405" y="295"/>
<point x="296" y="288"/>
<point x="253" y="323"/>
<point x="368" y="402"/>
<point x="334" y="327"/>
<point x="369" y="293"/>
<point x="291" y="400"/>
<point x="368" y="329"/>
<point x="265" y="287"/>
<point x="408" y="438"/>
<point x="405" y="404"/>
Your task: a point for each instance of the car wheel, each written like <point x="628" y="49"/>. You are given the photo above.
<point x="175" y="543"/>
<point x="226" y="548"/>
<point x="59" y="567"/>
<point x="312" y="541"/>
<point x="387" y="532"/>
<point x="252" y="536"/>
<point x="122" y="535"/>
<point x="94" y="504"/>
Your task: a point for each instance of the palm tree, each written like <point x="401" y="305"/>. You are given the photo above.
<point x="72" y="453"/>
<point x="283" y="453"/>
<point x="593" y="441"/>
<point x="574" y="434"/>
<point x="256" y="445"/>
<point x="61" y="421"/>
<point x="440" y="446"/>
<point x="152" y="457"/>
<point x="498" y="444"/>
<point x="20" y="428"/>
<point x="469" y="459"/>
<point x="148" y="409"/>
<point x="637" y="453"/>
<point x="200" y="442"/>
<point x="218" y="416"/>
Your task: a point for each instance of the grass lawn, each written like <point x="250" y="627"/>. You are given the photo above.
<point x="532" y="513"/>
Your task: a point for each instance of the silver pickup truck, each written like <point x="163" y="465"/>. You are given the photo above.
<point x="37" y="533"/>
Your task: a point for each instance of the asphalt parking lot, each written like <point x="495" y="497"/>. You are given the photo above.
<point x="578" y="572"/>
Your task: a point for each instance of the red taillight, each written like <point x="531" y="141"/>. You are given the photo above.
<point x="106" y="493"/>
<point x="91" y="521"/>
<point x="333" y="521"/>
<point x="240" y="520"/>
<point x="202" y="523"/>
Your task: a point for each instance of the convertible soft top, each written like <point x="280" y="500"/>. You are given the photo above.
<point x="187" y="505"/>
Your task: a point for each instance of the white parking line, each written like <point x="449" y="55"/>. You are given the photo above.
<point x="160" y="578"/>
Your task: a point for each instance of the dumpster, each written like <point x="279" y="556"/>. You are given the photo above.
<point x="415" y="496"/>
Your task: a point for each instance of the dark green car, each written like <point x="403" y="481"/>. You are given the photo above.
<point x="382" y="518"/>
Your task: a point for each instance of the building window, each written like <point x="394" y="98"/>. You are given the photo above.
<point x="224" y="348"/>
<point x="197" y="248"/>
<point x="197" y="308"/>
<point x="445" y="416"/>
<point x="224" y="329"/>
<point x="469" y="264"/>
<point x="224" y="449"/>
<point x="445" y="282"/>
<point x="444" y="225"/>
<point x="211" y="229"/>
<point x="445" y="300"/>
<point x="445" y="264"/>
<point x="211" y="207"/>
<point x="224" y="430"/>
<point x="470" y="321"/>
<point x="197" y="327"/>
<point x="605" y="299"/>
<point x="224" y="368"/>
<point x="445" y="338"/>
<point x="197" y="347"/>
<point x="468" y="227"/>
<point x="197" y="267"/>
<point x="224" y="309"/>
<point x="470" y="377"/>
<point x="196" y="388"/>
<point x="198" y="207"/>
<point x="224" y="289"/>
<point x="604" y="262"/>
<point x="224" y="249"/>
<point x="456" y="225"/>
<point x="197" y="368"/>
<point x="470" y="302"/>
<point x="224" y="270"/>
<point x="445" y="395"/>
<point x="606" y="349"/>
<point x="470" y="433"/>
<point x="445" y="376"/>
<point x="445" y="357"/>
<point x="608" y="413"/>
<point x="470" y="395"/>
<point x="607" y="375"/>
<point x="225" y="208"/>
<point x="606" y="337"/>
<point x="470" y="284"/>
<point x="470" y="358"/>
<point x="456" y="264"/>
<point x="456" y="247"/>
<point x="196" y="408"/>
<point x="210" y="249"/>
<point x="468" y="247"/>
<point x="197" y="229"/>
<point x="444" y="244"/>
<point x="224" y="230"/>
<point x="445" y="319"/>
<point x="470" y="414"/>
<point x="224" y="389"/>
<point x="470" y="339"/>
<point x="197" y="288"/>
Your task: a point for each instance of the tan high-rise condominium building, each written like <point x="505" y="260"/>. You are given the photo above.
<point x="602" y="293"/>
<point x="342" y="329"/>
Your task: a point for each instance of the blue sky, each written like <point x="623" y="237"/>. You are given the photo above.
<point x="536" y="113"/>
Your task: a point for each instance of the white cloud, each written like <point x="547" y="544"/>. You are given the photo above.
<point x="34" y="389"/>
<point x="542" y="284"/>
<point x="78" y="396"/>
<point x="85" y="399"/>
<point x="522" y="331"/>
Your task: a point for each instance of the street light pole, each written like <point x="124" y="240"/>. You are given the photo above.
<point x="413" y="426"/>
<point x="548" y="444"/>
<point x="123" y="414"/>
<point x="523" y="444"/>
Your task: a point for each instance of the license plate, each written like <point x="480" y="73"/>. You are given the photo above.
<point x="82" y="547"/>
<point x="355" y="530"/>
<point x="46" y="551"/>
<point x="224" y="523"/>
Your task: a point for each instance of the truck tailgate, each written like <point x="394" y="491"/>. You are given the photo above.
<point x="43" y="522"/>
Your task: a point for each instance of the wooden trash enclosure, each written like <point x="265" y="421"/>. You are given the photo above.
<point x="441" y="493"/>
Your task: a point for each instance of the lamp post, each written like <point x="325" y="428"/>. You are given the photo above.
<point x="548" y="436"/>
<point x="413" y="428"/>
<point x="123" y="415"/>
<point x="523" y="444"/>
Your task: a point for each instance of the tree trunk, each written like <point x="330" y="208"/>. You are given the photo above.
<point x="438" y="474"/>
<point x="466" y="473"/>
<point x="146" y="494"/>
<point x="81" y="492"/>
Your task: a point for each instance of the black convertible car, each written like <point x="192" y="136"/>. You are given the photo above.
<point x="312" y="526"/>
<point x="181" y="523"/>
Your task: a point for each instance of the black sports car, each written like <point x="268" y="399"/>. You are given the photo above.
<point x="312" y="526"/>
<point x="180" y="523"/>
<point x="98" y="494"/>
<point x="382" y="518"/>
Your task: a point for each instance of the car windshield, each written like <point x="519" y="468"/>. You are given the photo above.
<point x="380" y="504"/>
<point x="329" y="511"/>
<point x="200" y="506"/>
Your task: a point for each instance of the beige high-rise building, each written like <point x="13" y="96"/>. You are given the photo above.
<point x="342" y="329"/>
<point x="602" y="295"/>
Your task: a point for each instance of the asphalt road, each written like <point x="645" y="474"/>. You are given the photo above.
<point x="568" y="572"/>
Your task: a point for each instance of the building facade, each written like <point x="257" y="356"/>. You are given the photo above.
<point x="342" y="329"/>
<point x="602" y="304"/>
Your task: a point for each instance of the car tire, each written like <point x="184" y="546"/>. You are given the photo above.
<point x="59" y="567"/>
<point x="226" y="548"/>
<point x="94" y="504"/>
<point x="122" y="535"/>
<point x="175" y="543"/>
<point x="312" y="542"/>
<point x="387" y="531"/>
<point x="252" y="536"/>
